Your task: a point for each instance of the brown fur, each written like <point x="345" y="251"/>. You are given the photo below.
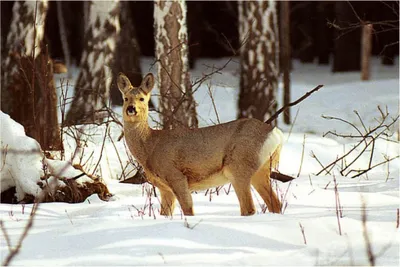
<point x="182" y="160"/>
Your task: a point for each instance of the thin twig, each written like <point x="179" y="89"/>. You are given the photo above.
<point x="302" y="156"/>
<point x="274" y="116"/>
<point x="6" y="236"/>
<point x="371" y="256"/>
<point x="213" y="103"/>
<point x="337" y="204"/>
<point x="292" y="124"/>
<point x="302" y="232"/>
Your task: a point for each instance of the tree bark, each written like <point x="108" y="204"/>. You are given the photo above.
<point x="6" y="16"/>
<point x="259" y="58"/>
<point x="347" y="46"/>
<point x="27" y="86"/>
<point x="177" y="105"/>
<point x="366" y="51"/>
<point x="285" y="56"/>
<point x="127" y="53"/>
<point x="92" y="88"/>
<point x="195" y="14"/>
<point x="324" y="33"/>
<point x="307" y="28"/>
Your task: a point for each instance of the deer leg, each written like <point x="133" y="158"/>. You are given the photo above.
<point x="180" y="187"/>
<point x="275" y="157"/>
<point x="167" y="202"/>
<point x="242" y="190"/>
<point x="262" y="183"/>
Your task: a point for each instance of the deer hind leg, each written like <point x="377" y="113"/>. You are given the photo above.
<point x="262" y="183"/>
<point x="241" y="183"/>
<point x="275" y="157"/>
<point x="167" y="202"/>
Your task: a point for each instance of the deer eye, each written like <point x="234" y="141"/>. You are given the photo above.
<point x="126" y="99"/>
<point x="141" y="99"/>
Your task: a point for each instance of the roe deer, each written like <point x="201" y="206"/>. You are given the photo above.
<point x="181" y="160"/>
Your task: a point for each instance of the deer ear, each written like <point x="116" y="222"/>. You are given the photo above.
<point x="147" y="83"/>
<point x="124" y="85"/>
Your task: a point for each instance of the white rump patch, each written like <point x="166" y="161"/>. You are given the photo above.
<point x="275" y="139"/>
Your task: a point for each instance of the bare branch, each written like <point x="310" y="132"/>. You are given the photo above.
<point x="274" y="116"/>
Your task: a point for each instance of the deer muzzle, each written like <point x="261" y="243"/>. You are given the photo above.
<point x="131" y="111"/>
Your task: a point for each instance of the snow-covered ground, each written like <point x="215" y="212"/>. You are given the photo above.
<point x="130" y="231"/>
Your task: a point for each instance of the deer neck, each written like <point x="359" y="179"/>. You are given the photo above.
<point x="137" y="136"/>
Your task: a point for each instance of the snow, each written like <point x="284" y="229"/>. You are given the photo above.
<point x="21" y="159"/>
<point x="130" y="231"/>
<point x="23" y="163"/>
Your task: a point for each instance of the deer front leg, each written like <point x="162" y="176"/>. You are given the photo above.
<point x="167" y="202"/>
<point x="180" y="188"/>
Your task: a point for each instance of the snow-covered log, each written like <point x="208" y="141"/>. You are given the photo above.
<point x="24" y="166"/>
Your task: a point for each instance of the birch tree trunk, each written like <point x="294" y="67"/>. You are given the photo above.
<point x="259" y="59"/>
<point x="27" y="86"/>
<point x="92" y="89"/>
<point x="176" y="100"/>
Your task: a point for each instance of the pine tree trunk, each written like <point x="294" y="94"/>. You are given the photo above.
<point x="347" y="56"/>
<point x="324" y="33"/>
<point x="6" y="16"/>
<point x="285" y="55"/>
<point x="127" y="53"/>
<point x="27" y="86"/>
<point x="176" y="101"/>
<point x="307" y="28"/>
<point x="92" y="88"/>
<point x="366" y="51"/>
<point x="259" y="58"/>
<point x="195" y="14"/>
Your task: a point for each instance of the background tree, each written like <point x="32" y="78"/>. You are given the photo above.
<point x="347" y="55"/>
<point x="27" y="86"/>
<point x="127" y="53"/>
<point x="176" y="101"/>
<point x="259" y="57"/>
<point x="324" y="33"/>
<point x="285" y="56"/>
<point x="92" y="89"/>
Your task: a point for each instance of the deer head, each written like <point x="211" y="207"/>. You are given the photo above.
<point x="136" y="99"/>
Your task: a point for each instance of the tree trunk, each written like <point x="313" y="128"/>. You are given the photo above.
<point x="307" y="28"/>
<point x="195" y="14"/>
<point x="366" y="51"/>
<point x="259" y="58"/>
<point x="285" y="56"/>
<point x="27" y="86"/>
<point x="127" y="53"/>
<point x="177" y="105"/>
<point x="6" y="16"/>
<point x="347" y="54"/>
<point x="324" y="33"/>
<point x="92" y="88"/>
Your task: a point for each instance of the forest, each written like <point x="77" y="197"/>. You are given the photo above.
<point x="143" y="122"/>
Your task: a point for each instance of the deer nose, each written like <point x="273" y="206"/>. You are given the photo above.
<point x="131" y="110"/>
